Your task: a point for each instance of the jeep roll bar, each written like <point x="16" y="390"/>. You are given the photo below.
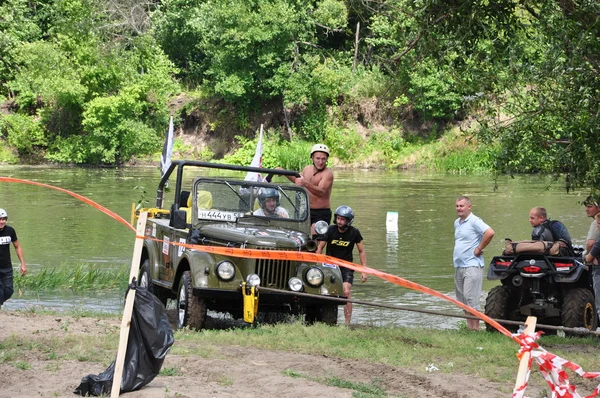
<point x="180" y="164"/>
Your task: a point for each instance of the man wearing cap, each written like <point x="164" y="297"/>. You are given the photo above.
<point x="318" y="180"/>
<point x="8" y="235"/>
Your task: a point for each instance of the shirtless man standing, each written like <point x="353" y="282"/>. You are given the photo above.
<point x="318" y="180"/>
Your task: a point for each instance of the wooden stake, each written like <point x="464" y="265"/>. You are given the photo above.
<point x="126" y="321"/>
<point x="524" y="364"/>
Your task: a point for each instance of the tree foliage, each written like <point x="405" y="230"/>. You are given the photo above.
<point x="88" y="81"/>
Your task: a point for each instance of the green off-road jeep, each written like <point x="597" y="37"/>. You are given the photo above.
<point x="227" y="213"/>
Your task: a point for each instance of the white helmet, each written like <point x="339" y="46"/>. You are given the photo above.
<point x="319" y="148"/>
<point x="3" y="213"/>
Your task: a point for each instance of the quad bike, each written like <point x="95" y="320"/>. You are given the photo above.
<point x="556" y="289"/>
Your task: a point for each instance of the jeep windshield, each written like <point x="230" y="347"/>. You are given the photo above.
<point x="220" y="200"/>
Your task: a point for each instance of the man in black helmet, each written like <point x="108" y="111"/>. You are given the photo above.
<point x="318" y="180"/>
<point x="268" y="199"/>
<point x="340" y="239"/>
<point x="8" y="236"/>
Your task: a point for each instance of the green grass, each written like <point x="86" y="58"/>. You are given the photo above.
<point x="489" y="356"/>
<point x="73" y="277"/>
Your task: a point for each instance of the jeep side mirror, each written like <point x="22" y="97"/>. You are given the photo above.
<point x="178" y="218"/>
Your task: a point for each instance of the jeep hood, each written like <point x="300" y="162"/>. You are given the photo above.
<point x="256" y="237"/>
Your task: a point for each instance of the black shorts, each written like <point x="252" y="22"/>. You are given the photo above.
<point x="347" y="275"/>
<point x="320" y="214"/>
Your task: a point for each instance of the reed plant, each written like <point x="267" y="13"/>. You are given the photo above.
<point x="72" y="277"/>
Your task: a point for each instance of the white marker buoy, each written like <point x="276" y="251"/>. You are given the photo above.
<point x="391" y="221"/>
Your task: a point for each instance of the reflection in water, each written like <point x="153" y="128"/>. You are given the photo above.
<point x="391" y="239"/>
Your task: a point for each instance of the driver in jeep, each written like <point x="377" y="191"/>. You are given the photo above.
<point x="548" y="230"/>
<point x="268" y="199"/>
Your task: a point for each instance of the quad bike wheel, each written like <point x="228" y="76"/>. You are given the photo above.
<point x="578" y="310"/>
<point x="497" y="306"/>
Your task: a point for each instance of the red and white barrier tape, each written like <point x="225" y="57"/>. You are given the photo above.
<point x="553" y="368"/>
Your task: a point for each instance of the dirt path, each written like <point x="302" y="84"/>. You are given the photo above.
<point x="228" y="371"/>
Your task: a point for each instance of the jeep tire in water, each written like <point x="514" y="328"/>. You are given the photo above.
<point x="497" y="306"/>
<point x="578" y="309"/>
<point x="191" y="310"/>
<point x="326" y="313"/>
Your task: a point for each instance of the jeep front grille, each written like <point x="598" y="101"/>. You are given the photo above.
<point x="274" y="273"/>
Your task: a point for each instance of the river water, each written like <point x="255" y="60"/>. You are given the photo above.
<point x="55" y="228"/>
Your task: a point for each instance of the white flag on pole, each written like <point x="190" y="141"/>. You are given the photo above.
<point x="256" y="160"/>
<point x="165" y="160"/>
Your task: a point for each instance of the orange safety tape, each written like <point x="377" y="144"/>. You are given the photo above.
<point x="314" y="257"/>
<point x="73" y="194"/>
<point x="283" y="255"/>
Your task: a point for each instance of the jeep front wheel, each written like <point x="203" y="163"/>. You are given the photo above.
<point x="192" y="309"/>
<point x="145" y="280"/>
<point x="326" y="313"/>
<point x="578" y="310"/>
<point x="329" y="314"/>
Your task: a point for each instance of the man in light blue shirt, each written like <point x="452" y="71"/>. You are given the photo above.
<point x="471" y="236"/>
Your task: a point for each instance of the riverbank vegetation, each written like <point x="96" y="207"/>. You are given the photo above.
<point x="80" y="277"/>
<point x="504" y="86"/>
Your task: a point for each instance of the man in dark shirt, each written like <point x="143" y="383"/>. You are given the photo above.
<point x="340" y="239"/>
<point x="545" y="229"/>
<point x="8" y="235"/>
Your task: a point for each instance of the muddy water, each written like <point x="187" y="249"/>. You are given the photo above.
<point x="55" y="228"/>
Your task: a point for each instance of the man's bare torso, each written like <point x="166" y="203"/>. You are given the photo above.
<point x="315" y="177"/>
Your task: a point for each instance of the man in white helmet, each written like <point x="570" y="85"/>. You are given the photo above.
<point x="8" y="235"/>
<point x="318" y="180"/>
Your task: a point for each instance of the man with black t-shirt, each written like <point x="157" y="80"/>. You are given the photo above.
<point x="340" y="239"/>
<point x="8" y="236"/>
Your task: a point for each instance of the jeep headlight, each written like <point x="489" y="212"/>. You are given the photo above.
<point x="295" y="284"/>
<point x="314" y="277"/>
<point x="253" y="280"/>
<point x="225" y="270"/>
<point x="321" y="227"/>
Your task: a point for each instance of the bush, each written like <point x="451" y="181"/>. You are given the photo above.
<point x="22" y="132"/>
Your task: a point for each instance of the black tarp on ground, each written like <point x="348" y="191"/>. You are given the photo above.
<point x="150" y="338"/>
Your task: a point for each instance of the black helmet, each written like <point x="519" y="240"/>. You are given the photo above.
<point x="265" y="193"/>
<point x="345" y="211"/>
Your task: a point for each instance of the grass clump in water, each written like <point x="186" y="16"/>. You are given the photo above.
<point x="76" y="278"/>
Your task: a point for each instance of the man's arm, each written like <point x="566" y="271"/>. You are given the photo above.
<point x="19" y="251"/>
<point x="485" y="240"/>
<point x="589" y="244"/>
<point x="292" y="178"/>
<point x="322" y="244"/>
<point x="594" y="252"/>
<point x="321" y="189"/>
<point x="362" y="254"/>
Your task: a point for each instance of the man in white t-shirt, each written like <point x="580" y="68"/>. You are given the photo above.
<point x="592" y="207"/>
